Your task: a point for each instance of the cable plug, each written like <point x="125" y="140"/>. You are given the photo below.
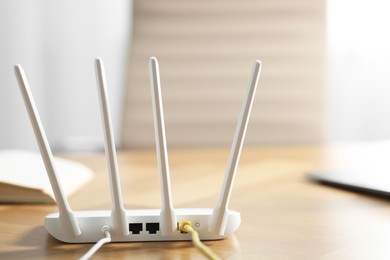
<point x="105" y="229"/>
<point x="181" y="226"/>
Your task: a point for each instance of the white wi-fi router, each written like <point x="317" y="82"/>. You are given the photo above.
<point x="139" y="224"/>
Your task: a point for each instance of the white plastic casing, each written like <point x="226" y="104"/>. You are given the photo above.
<point x="91" y="222"/>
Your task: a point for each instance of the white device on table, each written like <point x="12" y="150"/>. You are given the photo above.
<point x="139" y="224"/>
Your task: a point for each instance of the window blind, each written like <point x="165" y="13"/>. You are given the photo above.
<point x="206" y="50"/>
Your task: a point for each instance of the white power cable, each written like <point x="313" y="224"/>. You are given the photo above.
<point x="99" y="244"/>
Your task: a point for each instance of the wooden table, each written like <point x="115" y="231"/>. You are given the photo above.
<point x="284" y="216"/>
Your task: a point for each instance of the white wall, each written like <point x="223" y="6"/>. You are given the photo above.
<point x="56" y="43"/>
<point x="359" y="69"/>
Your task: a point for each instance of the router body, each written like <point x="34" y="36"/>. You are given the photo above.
<point x="146" y="224"/>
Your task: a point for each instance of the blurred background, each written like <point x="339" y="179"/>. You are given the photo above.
<point x="324" y="75"/>
<point x="56" y="42"/>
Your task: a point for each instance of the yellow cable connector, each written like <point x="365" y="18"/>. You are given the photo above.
<point x="181" y="224"/>
<point x="186" y="226"/>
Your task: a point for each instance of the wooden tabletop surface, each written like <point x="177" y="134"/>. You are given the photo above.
<point x="284" y="216"/>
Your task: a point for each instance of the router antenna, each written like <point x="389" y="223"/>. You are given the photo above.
<point x="68" y="220"/>
<point x="218" y="219"/>
<point x="118" y="214"/>
<point x="168" y="216"/>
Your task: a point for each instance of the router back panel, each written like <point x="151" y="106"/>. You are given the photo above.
<point x="91" y="222"/>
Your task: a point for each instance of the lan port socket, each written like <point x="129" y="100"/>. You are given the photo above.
<point x="152" y="227"/>
<point x="135" y="228"/>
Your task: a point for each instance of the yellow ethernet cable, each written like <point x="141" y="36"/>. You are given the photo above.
<point x="186" y="226"/>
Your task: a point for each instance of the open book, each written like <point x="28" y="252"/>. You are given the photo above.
<point x="23" y="177"/>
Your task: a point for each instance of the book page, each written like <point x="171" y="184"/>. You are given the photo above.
<point x="26" y="169"/>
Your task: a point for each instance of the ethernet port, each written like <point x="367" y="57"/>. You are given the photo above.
<point x="153" y="227"/>
<point x="135" y="228"/>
